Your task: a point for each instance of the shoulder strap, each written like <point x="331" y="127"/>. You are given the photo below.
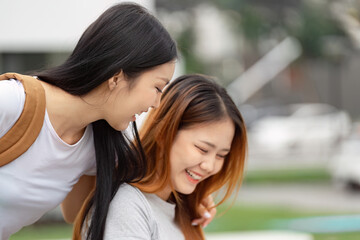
<point x="26" y="129"/>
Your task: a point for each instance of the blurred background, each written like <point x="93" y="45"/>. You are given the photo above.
<point x="291" y="66"/>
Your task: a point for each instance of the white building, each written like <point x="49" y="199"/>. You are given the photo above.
<point x="39" y="33"/>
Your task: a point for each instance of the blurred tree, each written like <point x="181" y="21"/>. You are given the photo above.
<point x="315" y="24"/>
<point x="185" y="44"/>
<point x="259" y="18"/>
<point x="176" y="5"/>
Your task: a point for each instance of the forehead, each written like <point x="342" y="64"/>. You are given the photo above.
<point x="219" y="133"/>
<point x="161" y="72"/>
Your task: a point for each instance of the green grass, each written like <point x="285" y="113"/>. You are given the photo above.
<point x="288" y="176"/>
<point x="252" y="218"/>
<point x="245" y="218"/>
<point x="237" y="218"/>
<point x="342" y="236"/>
<point x="44" y="231"/>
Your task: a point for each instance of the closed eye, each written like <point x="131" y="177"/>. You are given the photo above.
<point x="201" y="149"/>
<point x="222" y="156"/>
<point x="158" y="90"/>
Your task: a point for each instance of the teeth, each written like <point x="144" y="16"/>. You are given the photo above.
<point x="193" y="175"/>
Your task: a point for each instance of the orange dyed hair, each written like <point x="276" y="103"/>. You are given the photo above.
<point x="191" y="100"/>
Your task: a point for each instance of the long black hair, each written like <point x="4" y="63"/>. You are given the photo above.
<point x="124" y="38"/>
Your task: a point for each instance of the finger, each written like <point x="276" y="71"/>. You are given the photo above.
<point x="203" y="222"/>
<point x="208" y="202"/>
<point x="204" y="213"/>
<point x="208" y="220"/>
<point x="197" y="221"/>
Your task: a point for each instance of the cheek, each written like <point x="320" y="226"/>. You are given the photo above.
<point x="180" y="153"/>
<point x="149" y="98"/>
<point x="218" y="167"/>
<point x="150" y="93"/>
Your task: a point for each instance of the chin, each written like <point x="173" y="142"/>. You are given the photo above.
<point x="187" y="191"/>
<point x="121" y="127"/>
<point x="124" y="127"/>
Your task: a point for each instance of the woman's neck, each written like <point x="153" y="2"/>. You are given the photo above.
<point x="164" y="194"/>
<point x="69" y="115"/>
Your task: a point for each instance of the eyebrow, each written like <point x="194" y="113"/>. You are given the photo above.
<point x="213" y="146"/>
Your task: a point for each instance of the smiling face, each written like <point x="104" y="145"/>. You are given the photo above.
<point x="126" y="100"/>
<point x="198" y="153"/>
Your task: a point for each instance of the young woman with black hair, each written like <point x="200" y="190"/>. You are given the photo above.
<point x="118" y="69"/>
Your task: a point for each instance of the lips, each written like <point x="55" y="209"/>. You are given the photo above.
<point x="193" y="175"/>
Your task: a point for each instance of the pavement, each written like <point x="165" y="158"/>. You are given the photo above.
<point x="260" y="235"/>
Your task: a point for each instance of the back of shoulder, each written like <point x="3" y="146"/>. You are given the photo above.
<point x="129" y="193"/>
<point x="130" y="198"/>
<point x="12" y="99"/>
<point x="130" y="216"/>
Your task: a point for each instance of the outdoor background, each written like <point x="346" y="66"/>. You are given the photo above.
<point x="291" y="66"/>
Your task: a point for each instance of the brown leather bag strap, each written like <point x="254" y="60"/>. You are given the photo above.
<point x="26" y="129"/>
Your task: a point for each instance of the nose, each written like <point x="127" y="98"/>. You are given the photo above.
<point x="208" y="164"/>
<point x="157" y="101"/>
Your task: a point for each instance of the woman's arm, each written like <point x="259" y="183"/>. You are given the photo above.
<point x="75" y="199"/>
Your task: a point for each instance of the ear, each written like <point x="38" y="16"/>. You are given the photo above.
<point x="115" y="80"/>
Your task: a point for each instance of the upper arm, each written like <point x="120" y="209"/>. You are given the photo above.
<point x="12" y="99"/>
<point x="129" y="216"/>
<point x="75" y="199"/>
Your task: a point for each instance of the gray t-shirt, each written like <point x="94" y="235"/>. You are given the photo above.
<point x="137" y="215"/>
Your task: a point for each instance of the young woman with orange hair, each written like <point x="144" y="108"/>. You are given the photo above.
<point x="195" y="143"/>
